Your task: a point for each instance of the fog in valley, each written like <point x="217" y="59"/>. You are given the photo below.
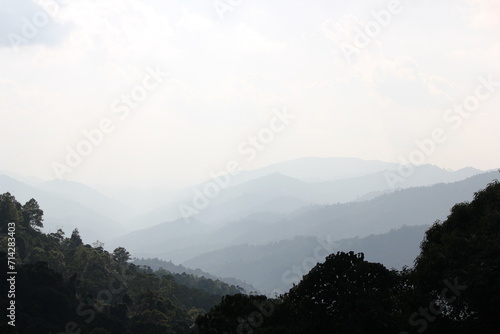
<point x="249" y="166"/>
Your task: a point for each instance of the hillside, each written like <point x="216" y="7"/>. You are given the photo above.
<point x="157" y="264"/>
<point x="291" y="185"/>
<point x="411" y="207"/>
<point x="453" y="287"/>
<point x="61" y="280"/>
<point x="65" y="211"/>
<point x="276" y="266"/>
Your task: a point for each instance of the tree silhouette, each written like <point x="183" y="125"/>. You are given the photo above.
<point x="32" y="215"/>
<point x="345" y="294"/>
<point x="10" y="211"/>
<point x="464" y="250"/>
<point x="121" y="255"/>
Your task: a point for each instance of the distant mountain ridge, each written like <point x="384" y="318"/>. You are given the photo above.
<point x="276" y="266"/>
<point x="88" y="197"/>
<point x="316" y="169"/>
<point x="279" y="189"/>
<point x="60" y="211"/>
<point x="413" y="206"/>
<point x="272" y="205"/>
<point x="248" y="191"/>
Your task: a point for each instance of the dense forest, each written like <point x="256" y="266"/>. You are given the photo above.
<point x="65" y="286"/>
<point x="181" y="271"/>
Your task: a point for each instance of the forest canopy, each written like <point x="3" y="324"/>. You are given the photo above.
<point x="64" y="285"/>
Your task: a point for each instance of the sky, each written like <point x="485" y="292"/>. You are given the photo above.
<point x="166" y="93"/>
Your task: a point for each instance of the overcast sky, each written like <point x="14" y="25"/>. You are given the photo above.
<point x="176" y="88"/>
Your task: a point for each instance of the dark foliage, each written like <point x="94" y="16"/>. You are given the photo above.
<point x="453" y="288"/>
<point x="64" y="285"/>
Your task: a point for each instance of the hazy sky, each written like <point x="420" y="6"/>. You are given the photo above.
<point x="177" y="89"/>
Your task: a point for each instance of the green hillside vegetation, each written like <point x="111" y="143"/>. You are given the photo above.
<point x="215" y="287"/>
<point x="174" y="269"/>
<point x="454" y="287"/>
<point x="65" y="286"/>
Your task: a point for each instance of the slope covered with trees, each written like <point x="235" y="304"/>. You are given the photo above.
<point x="66" y="286"/>
<point x="182" y="271"/>
<point x="63" y="285"/>
<point x="454" y="287"/>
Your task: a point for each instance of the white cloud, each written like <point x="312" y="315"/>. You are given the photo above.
<point x="119" y="29"/>
<point x="483" y="13"/>
<point x="194" y="21"/>
<point x="250" y="40"/>
<point x="228" y="76"/>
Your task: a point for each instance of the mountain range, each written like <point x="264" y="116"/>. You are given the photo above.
<point x="273" y="215"/>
